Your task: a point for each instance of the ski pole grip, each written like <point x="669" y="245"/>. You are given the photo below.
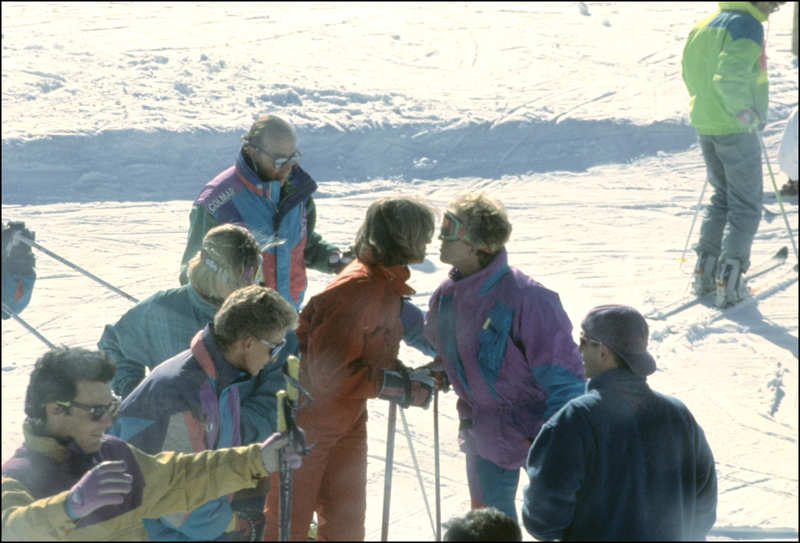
<point x="281" y="397"/>
<point x="293" y="369"/>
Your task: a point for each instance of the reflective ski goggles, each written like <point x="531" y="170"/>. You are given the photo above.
<point x="273" y="348"/>
<point x="96" y="412"/>
<point x="454" y="229"/>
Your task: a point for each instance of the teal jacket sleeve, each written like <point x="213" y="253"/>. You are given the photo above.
<point x="200" y="222"/>
<point x="317" y="250"/>
<point x="152" y="331"/>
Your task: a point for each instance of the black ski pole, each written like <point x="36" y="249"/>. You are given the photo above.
<point x="436" y="463"/>
<point x="387" y="476"/>
<point x="285" y="495"/>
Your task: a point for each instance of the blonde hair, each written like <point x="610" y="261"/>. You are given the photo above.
<point x="486" y="221"/>
<point x="394" y="230"/>
<point x="229" y="252"/>
<point x="252" y="311"/>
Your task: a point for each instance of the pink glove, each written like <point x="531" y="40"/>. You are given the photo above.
<point x="105" y="484"/>
<point x="275" y="449"/>
<point x="291" y="457"/>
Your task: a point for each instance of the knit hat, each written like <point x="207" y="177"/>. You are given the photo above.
<point x="623" y="330"/>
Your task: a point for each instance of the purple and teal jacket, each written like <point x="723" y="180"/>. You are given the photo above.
<point x="507" y="347"/>
<point x="189" y="403"/>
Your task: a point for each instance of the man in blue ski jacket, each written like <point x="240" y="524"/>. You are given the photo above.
<point x="621" y="462"/>
<point x="192" y="402"/>
<point x="267" y="192"/>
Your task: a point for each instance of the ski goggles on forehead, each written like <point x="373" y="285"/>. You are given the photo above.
<point x="96" y="412"/>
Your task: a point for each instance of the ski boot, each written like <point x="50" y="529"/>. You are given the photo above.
<point x="731" y="284"/>
<point x="704" y="279"/>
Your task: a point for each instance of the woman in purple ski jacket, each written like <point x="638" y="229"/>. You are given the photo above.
<point x="506" y="345"/>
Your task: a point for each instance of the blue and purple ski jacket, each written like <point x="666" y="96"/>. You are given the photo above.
<point x="239" y="196"/>
<point x="506" y="344"/>
<point x="189" y="403"/>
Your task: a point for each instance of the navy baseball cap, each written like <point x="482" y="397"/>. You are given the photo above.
<point x="623" y="330"/>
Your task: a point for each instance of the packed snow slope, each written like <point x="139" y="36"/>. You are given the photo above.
<point x="574" y="115"/>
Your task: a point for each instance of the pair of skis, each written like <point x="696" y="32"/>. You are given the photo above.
<point x="778" y="259"/>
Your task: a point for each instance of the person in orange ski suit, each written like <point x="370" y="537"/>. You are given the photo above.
<point x="349" y="336"/>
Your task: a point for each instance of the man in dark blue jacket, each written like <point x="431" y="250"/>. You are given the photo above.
<point x="621" y="462"/>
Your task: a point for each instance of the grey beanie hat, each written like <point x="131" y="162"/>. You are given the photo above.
<point x="623" y="330"/>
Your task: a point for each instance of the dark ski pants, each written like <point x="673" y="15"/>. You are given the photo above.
<point x="733" y="166"/>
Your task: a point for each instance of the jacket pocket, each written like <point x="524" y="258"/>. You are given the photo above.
<point x="492" y="338"/>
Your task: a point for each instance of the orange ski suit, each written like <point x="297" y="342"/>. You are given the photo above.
<point x="347" y="334"/>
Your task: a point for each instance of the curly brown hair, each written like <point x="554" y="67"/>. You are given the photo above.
<point x="252" y="311"/>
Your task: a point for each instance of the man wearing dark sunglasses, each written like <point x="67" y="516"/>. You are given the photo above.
<point x="194" y="401"/>
<point x="621" y="462"/>
<point x="71" y="481"/>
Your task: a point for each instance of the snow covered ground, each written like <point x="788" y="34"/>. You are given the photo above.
<point x="573" y="115"/>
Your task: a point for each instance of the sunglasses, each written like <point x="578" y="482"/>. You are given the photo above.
<point x="96" y="412"/>
<point x="273" y="348"/>
<point x="584" y="340"/>
<point x="280" y="161"/>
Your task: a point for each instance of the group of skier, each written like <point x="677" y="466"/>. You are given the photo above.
<point x="198" y="367"/>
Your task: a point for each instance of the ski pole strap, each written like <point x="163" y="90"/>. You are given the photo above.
<point x="280" y="423"/>
<point x="285" y="423"/>
<point x="290" y="374"/>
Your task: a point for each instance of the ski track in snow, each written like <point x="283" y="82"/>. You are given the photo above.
<point x="112" y="121"/>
